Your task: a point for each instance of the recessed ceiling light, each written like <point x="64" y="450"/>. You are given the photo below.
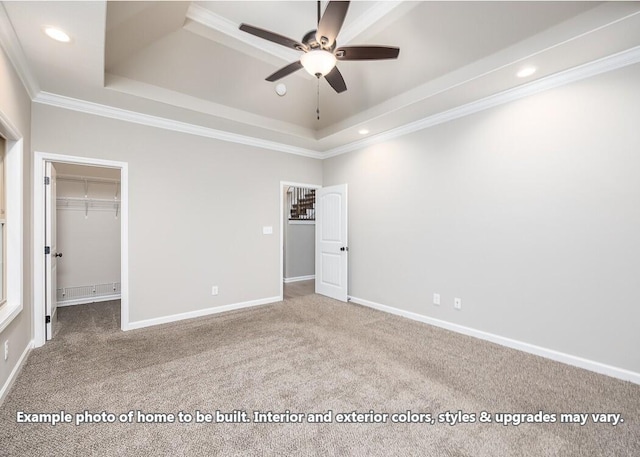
<point x="363" y="131"/>
<point x="57" y="34"/>
<point x="526" y="71"/>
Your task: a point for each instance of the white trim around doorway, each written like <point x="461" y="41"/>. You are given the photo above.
<point x="40" y="158"/>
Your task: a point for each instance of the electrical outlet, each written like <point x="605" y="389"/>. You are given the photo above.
<point x="6" y="349"/>
<point x="436" y="299"/>
<point x="214" y="290"/>
<point x="457" y="303"/>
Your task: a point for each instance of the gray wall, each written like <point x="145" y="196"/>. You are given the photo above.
<point x="529" y="212"/>
<point x="299" y="250"/>
<point x="197" y="208"/>
<point x="16" y="105"/>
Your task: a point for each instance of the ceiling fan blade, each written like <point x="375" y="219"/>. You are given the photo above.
<point x="331" y="23"/>
<point x="274" y="37"/>
<point x="335" y="80"/>
<point x="295" y="66"/>
<point x="367" y="52"/>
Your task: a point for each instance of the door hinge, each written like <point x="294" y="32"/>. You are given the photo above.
<point x="47" y="319"/>
<point x="47" y="180"/>
<point x="47" y="250"/>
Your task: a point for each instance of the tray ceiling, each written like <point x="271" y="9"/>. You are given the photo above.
<point x="189" y="62"/>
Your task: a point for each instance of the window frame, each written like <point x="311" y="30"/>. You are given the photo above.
<point x="3" y="225"/>
<point x="13" y="164"/>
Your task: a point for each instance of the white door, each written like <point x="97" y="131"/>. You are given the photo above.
<point x="51" y="251"/>
<point x="332" y="252"/>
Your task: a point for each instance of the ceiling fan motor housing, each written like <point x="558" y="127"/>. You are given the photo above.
<point x="311" y="42"/>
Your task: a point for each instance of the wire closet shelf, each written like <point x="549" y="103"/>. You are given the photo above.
<point x="87" y="203"/>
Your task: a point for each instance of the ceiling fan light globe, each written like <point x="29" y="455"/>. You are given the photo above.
<point x="318" y="62"/>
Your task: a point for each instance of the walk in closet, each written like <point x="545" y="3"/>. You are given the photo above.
<point x="88" y="234"/>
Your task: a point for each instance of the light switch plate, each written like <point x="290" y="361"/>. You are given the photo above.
<point x="268" y="230"/>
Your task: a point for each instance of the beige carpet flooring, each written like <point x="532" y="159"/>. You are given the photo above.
<point x="299" y="289"/>
<point x="308" y="354"/>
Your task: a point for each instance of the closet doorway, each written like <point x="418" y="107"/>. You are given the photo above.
<point x="88" y="203"/>
<point x="88" y="210"/>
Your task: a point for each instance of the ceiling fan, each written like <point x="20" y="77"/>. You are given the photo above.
<point x="319" y="47"/>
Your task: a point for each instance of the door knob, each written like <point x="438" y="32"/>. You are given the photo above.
<point x="58" y="254"/>
<point x="344" y="248"/>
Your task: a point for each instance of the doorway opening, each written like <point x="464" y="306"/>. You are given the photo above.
<point x="87" y="238"/>
<point x="90" y="249"/>
<point x="297" y="240"/>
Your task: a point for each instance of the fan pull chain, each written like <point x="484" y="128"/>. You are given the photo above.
<point x="318" y="102"/>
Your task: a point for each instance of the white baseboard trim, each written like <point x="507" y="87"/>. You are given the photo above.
<point x="201" y="312"/>
<point x="86" y="300"/>
<point x="14" y="373"/>
<point x="299" y="278"/>
<point x="569" y="359"/>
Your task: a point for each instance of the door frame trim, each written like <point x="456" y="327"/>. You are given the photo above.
<point x="284" y="184"/>
<point x="40" y="158"/>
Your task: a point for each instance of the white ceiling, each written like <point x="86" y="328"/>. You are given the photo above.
<point x="188" y="61"/>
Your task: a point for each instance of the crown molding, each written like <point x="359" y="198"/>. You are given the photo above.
<point x="529" y="49"/>
<point x="11" y="45"/>
<point x="366" y="20"/>
<point x="606" y="64"/>
<point x="214" y="21"/>
<point x="83" y="106"/>
<point x="7" y="128"/>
